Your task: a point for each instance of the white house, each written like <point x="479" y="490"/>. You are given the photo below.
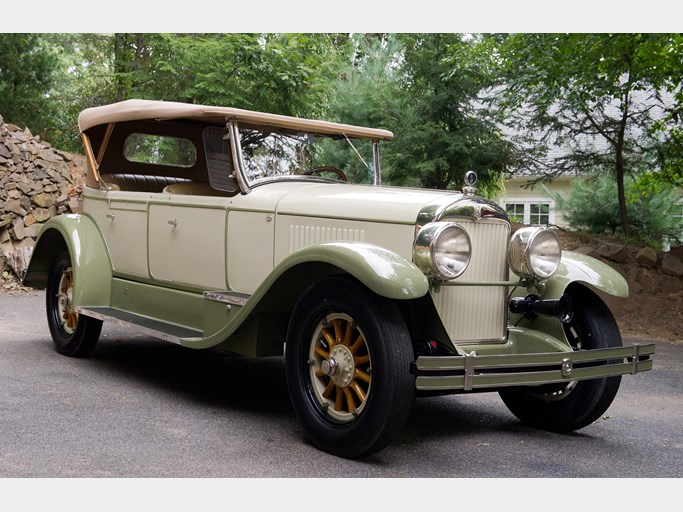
<point x="534" y="206"/>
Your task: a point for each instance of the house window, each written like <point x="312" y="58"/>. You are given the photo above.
<point x="516" y="212"/>
<point x="539" y="214"/>
<point x="530" y="212"/>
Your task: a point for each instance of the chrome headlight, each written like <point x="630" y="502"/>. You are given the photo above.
<point x="442" y="250"/>
<point x="534" y="252"/>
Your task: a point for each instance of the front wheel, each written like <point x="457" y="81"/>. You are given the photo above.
<point x="576" y="404"/>
<point x="348" y="358"/>
<point x="73" y="334"/>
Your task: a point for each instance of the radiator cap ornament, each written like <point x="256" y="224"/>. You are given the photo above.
<point x="470" y="182"/>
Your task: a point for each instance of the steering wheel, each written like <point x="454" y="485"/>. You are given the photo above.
<point x="327" y="168"/>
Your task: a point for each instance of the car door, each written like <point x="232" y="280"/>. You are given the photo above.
<point x="187" y="242"/>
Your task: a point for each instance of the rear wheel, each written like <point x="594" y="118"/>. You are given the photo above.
<point x="73" y="334"/>
<point x="576" y="404"/>
<point x="348" y="358"/>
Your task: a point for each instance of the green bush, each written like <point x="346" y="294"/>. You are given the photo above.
<point x="654" y="212"/>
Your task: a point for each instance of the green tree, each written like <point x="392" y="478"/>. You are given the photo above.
<point x="423" y="87"/>
<point x="442" y="134"/>
<point x="280" y="73"/>
<point x="27" y="66"/>
<point x="593" y="96"/>
<point x="652" y="208"/>
<point x="84" y="78"/>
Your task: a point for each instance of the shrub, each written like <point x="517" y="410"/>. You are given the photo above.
<point x="654" y="213"/>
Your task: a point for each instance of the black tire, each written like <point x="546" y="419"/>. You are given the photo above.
<point x="569" y="407"/>
<point x="348" y="357"/>
<point x="73" y="334"/>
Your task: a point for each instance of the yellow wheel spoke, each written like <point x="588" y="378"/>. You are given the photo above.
<point x="360" y="393"/>
<point x="322" y="353"/>
<point x="338" y="400"/>
<point x="337" y="330"/>
<point x="350" y="402"/>
<point x="328" y="390"/>
<point x="361" y="360"/>
<point x="348" y="333"/>
<point x="72" y="320"/>
<point x="360" y="374"/>
<point x="360" y="341"/>
<point x="331" y="342"/>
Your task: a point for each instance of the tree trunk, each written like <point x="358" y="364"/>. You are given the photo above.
<point x="619" y="164"/>
<point x="118" y="59"/>
<point x="622" y="195"/>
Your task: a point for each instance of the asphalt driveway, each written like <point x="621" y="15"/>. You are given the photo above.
<point x="140" y="407"/>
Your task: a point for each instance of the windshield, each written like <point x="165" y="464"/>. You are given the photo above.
<point x="270" y="153"/>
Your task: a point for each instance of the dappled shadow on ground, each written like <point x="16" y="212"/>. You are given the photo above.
<point x="206" y="376"/>
<point x="259" y="386"/>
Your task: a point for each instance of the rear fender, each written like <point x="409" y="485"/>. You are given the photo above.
<point x="89" y="257"/>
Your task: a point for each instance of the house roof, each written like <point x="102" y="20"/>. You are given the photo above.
<point x="649" y="104"/>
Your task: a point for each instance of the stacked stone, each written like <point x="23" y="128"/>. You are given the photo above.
<point x="35" y="184"/>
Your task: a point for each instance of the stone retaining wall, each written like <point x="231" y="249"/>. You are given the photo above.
<point x="36" y="183"/>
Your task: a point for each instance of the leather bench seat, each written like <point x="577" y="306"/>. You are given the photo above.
<point x="140" y="182"/>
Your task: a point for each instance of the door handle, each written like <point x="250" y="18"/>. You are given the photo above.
<point x="173" y="222"/>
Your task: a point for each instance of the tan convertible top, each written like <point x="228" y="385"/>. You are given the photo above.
<point x="133" y="110"/>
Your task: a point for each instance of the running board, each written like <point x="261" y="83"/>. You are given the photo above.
<point x="143" y="324"/>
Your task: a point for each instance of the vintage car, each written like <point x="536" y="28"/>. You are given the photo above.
<point x="267" y="235"/>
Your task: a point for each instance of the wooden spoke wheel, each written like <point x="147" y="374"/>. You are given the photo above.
<point x="347" y="359"/>
<point x="568" y="407"/>
<point x="72" y="334"/>
<point x="341" y="369"/>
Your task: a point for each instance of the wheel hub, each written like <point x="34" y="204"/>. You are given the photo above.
<point x="339" y="366"/>
<point x="65" y="301"/>
<point x="67" y="315"/>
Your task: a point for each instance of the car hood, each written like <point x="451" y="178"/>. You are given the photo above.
<point x="361" y="202"/>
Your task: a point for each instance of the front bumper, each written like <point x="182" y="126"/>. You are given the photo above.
<point x="473" y="372"/>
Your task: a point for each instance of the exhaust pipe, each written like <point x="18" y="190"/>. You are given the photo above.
<point x="531" y="306"/>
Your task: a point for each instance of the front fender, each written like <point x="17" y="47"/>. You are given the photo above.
<point x="89" y="257"/>
<point x="384" y="272"/>
<point x="577" y="267"/>
<point x="574" y="268"/>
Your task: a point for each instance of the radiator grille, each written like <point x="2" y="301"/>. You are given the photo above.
<point x="303" y="236"/>
<point x="478" y="313"/>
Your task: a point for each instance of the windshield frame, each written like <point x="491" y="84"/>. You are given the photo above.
<point x="247" y="184"/>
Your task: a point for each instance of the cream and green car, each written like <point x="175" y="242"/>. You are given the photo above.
<point x="267" y="235"/>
